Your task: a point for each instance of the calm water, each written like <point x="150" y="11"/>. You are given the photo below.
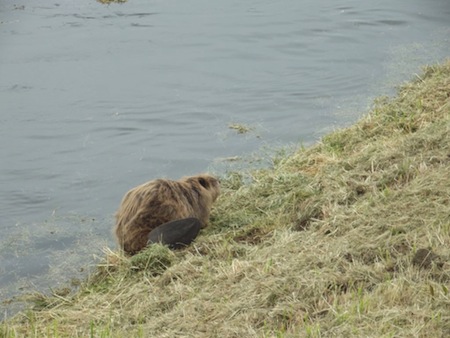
<point x="96" y="99"/>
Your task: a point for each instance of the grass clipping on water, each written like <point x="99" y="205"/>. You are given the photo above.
<point x="348" y="238"/>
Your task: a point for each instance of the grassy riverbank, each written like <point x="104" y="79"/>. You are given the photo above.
<point x="347" y="238"/>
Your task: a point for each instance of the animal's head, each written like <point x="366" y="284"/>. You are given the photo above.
<point x="206" y="183"/>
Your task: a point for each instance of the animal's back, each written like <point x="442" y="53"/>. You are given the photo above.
<point x="146" y="207"/>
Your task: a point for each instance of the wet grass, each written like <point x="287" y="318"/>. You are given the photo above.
<point x="240" y="128"/>
<point x="348" y="238"/>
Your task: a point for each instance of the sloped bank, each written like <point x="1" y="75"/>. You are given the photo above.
<point x="347" y="238"/>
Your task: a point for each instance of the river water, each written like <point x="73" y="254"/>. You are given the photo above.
<point x="95" y="99"/>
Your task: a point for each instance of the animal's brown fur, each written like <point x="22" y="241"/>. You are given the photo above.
<point x="156" y="202"/>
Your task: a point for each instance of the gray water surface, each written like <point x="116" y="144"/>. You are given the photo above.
<point x="96" y="99"/>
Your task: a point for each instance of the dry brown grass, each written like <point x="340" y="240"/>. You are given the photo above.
<point x="349" y="238"/>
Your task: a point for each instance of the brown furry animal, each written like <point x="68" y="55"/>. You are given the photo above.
<point x="151" y="204"/>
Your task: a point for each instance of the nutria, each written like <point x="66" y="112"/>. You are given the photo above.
<point x="156" y="202"/>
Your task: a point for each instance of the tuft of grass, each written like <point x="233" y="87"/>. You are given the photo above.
<point x="155" y="259"/>
<point x="347" y="238"/>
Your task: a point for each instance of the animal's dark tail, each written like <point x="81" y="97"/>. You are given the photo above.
<point x="176" y="234"/>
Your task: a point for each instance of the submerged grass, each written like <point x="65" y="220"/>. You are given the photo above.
<point x="347" y="238"/>
<point x="108" y="2"/>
